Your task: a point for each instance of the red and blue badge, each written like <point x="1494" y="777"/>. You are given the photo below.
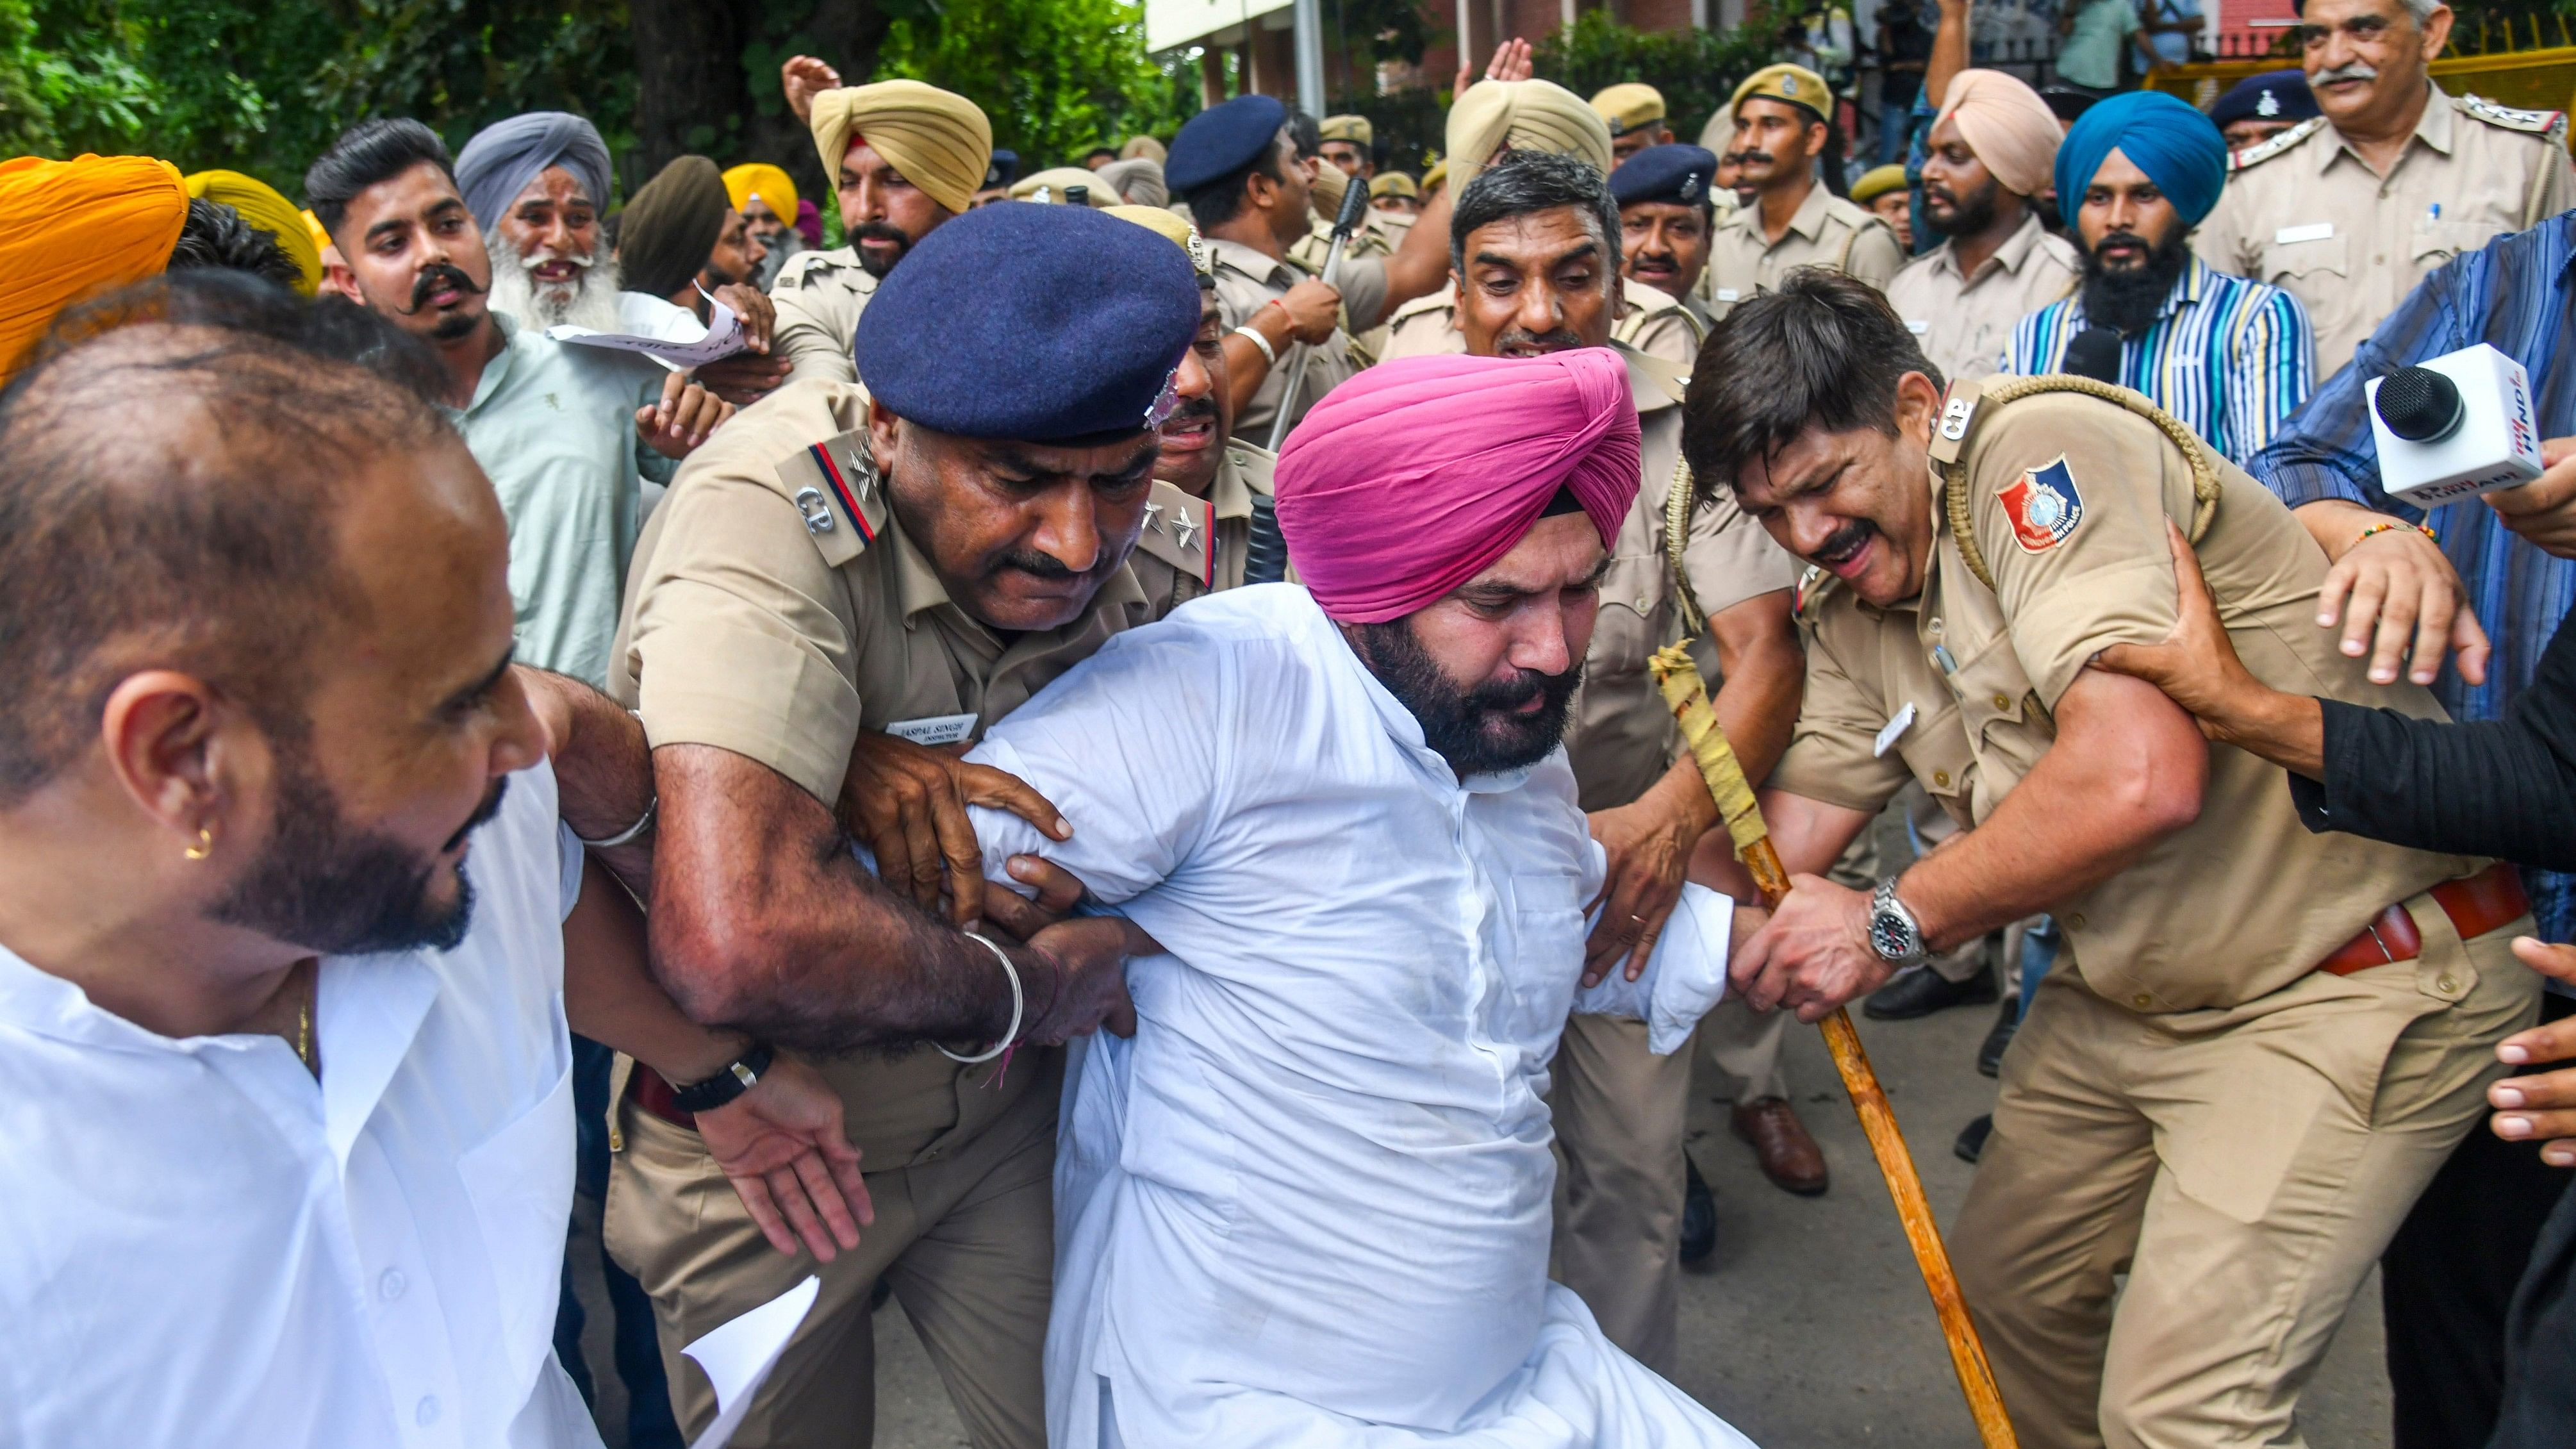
<point x="2043" y="506"/>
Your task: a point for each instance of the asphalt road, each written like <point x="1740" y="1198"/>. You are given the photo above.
<point x="1809" y="1328"/>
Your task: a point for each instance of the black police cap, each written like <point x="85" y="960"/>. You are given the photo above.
<point x="1223" y="139"/>
<point x="1677" y="172"/>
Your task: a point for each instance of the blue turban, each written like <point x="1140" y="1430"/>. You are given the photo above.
<point x="505" y="156"/>
<point x="2177" y="146"/>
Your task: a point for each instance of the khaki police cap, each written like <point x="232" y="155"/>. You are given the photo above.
<point x="1056" y="182"/>
<point x="1164" y="222"/>
<point x="1434" y="176"/>
<point x="1795" y="84"/>
<point x="1355" y="129"/>
<point x="1630" y="106"/>
<point x="1393" y="183"/>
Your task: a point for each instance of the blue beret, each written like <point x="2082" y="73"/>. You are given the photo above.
<point x="2178" y="147"/>
<point x="1002" y="170"/>
<point x="1223" y="139"/>
<point x="1036" y="323"/>
<point x="1665" y="173"/>
<point x="2279" y="95"/>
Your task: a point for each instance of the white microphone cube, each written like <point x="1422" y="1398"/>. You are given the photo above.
<point x="2494" y="444"/>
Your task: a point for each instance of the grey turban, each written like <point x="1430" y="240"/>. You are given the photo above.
<point x="1138" y="181"/>
<point x="505" y="156"/>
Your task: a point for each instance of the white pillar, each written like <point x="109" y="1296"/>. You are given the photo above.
<point x="1310" y="57"/>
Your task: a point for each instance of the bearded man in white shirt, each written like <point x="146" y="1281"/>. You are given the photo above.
<point x="1308" y="1202"/>
<point x="290" y="930"/>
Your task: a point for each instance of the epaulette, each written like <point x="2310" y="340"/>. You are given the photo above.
<point x="2511" y="118"/>
<point x="2263" y="151"/>
<point x="1813" y="585"/>
<point x="1181" y="531"/>
<point x="1672" y="378"/>
<point x="1254" y="464"/>
<point x="1444" y="300"/>
<point x="833" y="484"/>
<point x="806" y="268"/>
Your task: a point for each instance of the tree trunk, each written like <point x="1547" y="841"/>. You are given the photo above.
<point x="694" y="93"/>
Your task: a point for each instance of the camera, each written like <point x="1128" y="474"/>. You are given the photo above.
<point x="2454" y="427"/>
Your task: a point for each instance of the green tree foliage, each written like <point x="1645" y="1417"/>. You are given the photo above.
<point x="1056" y="76"/>
<point x="1695" y="69"/>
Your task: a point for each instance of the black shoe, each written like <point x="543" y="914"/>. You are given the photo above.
<point x="1972" y="1138"/>
<point x="1699" y="1215"/>
<point x="1990" y="1052"/>
<point x="1924" y="991"/>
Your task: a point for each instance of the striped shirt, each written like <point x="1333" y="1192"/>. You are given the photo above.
<point x="2228" y="357"/>
<point x="2515" y="294"/>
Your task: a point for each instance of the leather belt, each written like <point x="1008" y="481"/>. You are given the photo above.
<point x="2476" y="904"/>
<point x="646" y="1089"/>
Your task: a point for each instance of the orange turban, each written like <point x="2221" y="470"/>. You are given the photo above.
<point x="70" y="228"/>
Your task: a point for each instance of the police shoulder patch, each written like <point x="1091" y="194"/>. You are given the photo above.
<point x="2043" y="506"/>
<point x="2511" y="118"/>
<point x="833" y="484"/>
<point x="2263" y="151"/>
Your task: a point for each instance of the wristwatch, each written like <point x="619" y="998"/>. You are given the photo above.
<point x="1892" y="932"/>
<point x="738" y="1077"/>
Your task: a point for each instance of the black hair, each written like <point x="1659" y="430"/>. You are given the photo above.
<point x="215" y="236"/>
<point x="1307" y="134"/>
<point x="1821" y="350"/>
<point x="1214" y="203"/>
<point x="1523" y="182"/>
<point x="169" y="468"/>
<point x="365" y="154"/>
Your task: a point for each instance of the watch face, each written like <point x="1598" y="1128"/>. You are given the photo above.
<point x="1889" y="937"/>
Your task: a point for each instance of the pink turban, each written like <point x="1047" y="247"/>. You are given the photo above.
<point x="2007" y="125"/>
<point x="1409" y="479"/>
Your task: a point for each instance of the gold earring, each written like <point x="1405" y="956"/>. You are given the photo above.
<point x="204" y="847"/>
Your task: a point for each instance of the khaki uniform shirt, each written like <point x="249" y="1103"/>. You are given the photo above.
<point x="1193" y="546"/>
<point x="1246" y="281"/>
<point x="819" y="296"/>
<point x="1956" y="689"/>
<point x="1623" y="737"/>
<point x="1649" y="321"/>
<point x="2305" y="213"/>
<point x="776" y="609"/>
<point x="1965" y="324"/>
<point x="1827" y="231"/>
<point x="1363" y="278"/>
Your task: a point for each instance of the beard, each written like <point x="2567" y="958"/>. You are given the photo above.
<point x="1477" y="730"/>
<point x="877" y="231"/>
<point x="1970" y="212"/>
<point x="588" y="300"/>
<point x="2127" y="300"/>
<point x="341" y="889"/>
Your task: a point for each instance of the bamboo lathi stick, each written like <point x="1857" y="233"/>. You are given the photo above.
<point x="1683" y="689"/>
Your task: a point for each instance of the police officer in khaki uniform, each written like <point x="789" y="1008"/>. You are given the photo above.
<point x="1667" y="214"/>
<point x="1364" y="258"/>
<point x="2261" y="1042"/>
<point x="1198" y="528"/>
<point x="2349" y="210"/>
<point x="1543" y="277"/>
<point x="904" y="158"/>
<point x="1349" y="145"/>
<point x="1634" y="112"/>
<point x="1783" y="127"/>
<point x="849" y="572"/>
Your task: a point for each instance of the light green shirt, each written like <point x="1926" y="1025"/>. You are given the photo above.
<point x="553" y="425"/>
<point x="2091" y="55"/>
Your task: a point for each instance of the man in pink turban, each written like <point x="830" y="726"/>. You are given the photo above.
<point x="1308" y="1201"/>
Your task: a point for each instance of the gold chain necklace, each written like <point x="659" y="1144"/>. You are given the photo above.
<point x="304" y="1022"/>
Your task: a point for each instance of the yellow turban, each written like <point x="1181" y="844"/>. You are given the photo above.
<point x="1095" y="191"/>
<point x="758" y="178"/>
<point x="2007" y="125"/>
<point x="941" y="142"/>
<point x="260" y="204"/>
<point x="70" y="228"/>
<point x="1530" y="115"/>
<point x="321" y="234"/>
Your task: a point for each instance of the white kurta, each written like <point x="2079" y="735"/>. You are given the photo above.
<point x="1309" y="1201"/>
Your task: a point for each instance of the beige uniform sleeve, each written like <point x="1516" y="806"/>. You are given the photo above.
<point x="1832" y="755"/>
<point x="1731" y="558"/>
<point x="742" y="638"/>
<point x="1875" y="256"/>
<point x="2109" y="578"/>
<point x="809" y="335"/>
<point x="1363" y="286"/>
<point x="2220" y="238"/>
<point x="2554" y="189"/>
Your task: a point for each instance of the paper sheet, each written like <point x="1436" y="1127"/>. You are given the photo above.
<point x="739" y="1355"/>
<point x="724" y="338"/>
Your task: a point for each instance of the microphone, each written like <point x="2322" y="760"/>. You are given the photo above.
<point x="2094" y="353"/>
<point x="2454" y="426"/>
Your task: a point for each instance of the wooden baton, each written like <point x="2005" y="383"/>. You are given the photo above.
<point x="1683" y="689"/>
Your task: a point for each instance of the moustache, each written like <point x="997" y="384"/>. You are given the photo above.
<point x="1843" y="542"/>
<point x="1045" y="566"/>
<point x="434" y="276"/>
<point x="482" y="815"/>
<point x="1192" y="410"/>
<point x="1738" y="158"/>
<point x="2358" y="70"/>
<point x="1560" y="340"/>
<point x="878" y="231"/>
<point x="2120" y="240"/>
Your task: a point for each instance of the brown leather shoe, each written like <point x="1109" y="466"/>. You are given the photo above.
<point x="1790" y="1158"/>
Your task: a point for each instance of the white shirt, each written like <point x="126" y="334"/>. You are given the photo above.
<point x="1310" y="1198"/>
<point x="201" y="1245"/>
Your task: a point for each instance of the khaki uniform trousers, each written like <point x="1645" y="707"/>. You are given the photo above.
<point x="2244" y="1166"/>
<point x="968" y="1242"/>
<point x="1620" y="1113"/>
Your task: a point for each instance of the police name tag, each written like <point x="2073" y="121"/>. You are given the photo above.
<point x="1894" y="731"/>
<point x="1918" y="327"/>
<point x="938" y="729"/>
<point x="2313" y="231"/>
<point x="1728" y="294"/>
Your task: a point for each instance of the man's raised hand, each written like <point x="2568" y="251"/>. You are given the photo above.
<point x="683" y="419"/>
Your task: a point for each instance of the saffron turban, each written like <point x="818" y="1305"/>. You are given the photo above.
<point x="939" y="141"/>
<point x="265" y="210"/>
<point x="1530" y="115"/>
<point x="667" y="232"/>
<point x="1411" y="478"/>
<point x="774" y="187"/>
<point x="2007" y="125"/>
<point x="505" y="156"/>
<point x="70" y="228"/>
<point x="2179" y="148"/>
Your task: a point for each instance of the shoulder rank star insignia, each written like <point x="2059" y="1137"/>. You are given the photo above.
<point x="1185" y="531"/>
<point x="1153" y="518"/>
<point x="2043" y="505"/>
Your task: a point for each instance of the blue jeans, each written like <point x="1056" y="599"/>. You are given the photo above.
<point x="1895" y="118"/>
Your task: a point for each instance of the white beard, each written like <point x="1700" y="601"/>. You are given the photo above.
<point x="589" y="300"/>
